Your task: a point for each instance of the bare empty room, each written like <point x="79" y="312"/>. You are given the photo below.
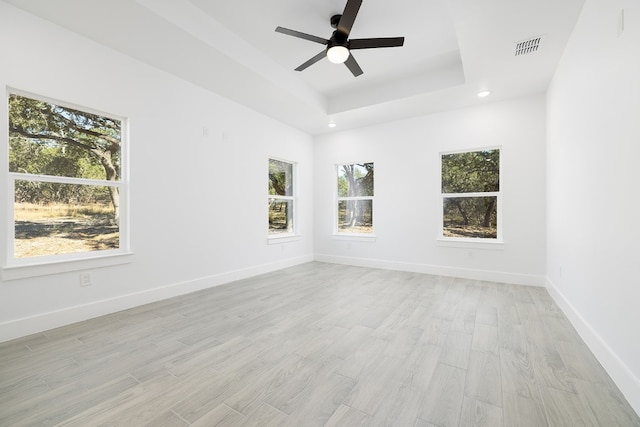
<point x="336" y="213"/>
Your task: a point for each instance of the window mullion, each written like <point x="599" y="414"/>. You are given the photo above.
<point x="63" y="179"/>
<point x="479" y="194"/>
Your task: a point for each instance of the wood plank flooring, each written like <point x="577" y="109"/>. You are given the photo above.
<point x="317" y="345"/>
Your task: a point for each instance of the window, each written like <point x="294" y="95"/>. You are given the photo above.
<point x="471" y="197"/>
<point x="355" y="198"/>
<point x="65" y="175"/>
<point x="281" y="198"/>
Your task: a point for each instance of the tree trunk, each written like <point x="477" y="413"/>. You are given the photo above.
<point x="488" y="212"/>
<point x="111" y="175"/>
<point x="352" y="205"/>
<point x="465" y="217"/>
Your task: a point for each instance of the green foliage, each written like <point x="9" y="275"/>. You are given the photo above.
<point x="355" y="180"/>
<point x="280" y="216"/>
<point x="471" y="172"/>
<point x="49" y="139"/>
<point x="53" y="140"/>
<point x="355" y="216"/>
<point x="280" y="178"/>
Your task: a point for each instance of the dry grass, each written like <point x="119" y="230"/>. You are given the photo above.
<point x="454" y="230"/>
<point x="56" y="229"/>
<point x="31" y="212"/>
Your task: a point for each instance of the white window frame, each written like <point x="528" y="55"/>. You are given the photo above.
<point x="274" y="238"/>
<point x="475" y="242"/>
<point x="352" y="235"/>
<point x="17" y="268"/>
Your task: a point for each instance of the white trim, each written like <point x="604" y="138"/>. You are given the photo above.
<point x="462" y="195"/>
<point x="17" y="176"/>
<point x="468" y="150"/>
<point x="82" y="261"/>
<point x="356" y="198"/>
<point x="438" y="270"/>
<point x="293" y="198"/>
<point x="620" y="373"/>
<point x="26" y="94"/>
<point x="470" y="243"/>
<point x="337" y="199"/>
<point x="275" y="239"/>
<point x="29" y="325"/>
<point x="355" y="237"/>
<point x="496" y="194"/>
<point x="17" y="268"/>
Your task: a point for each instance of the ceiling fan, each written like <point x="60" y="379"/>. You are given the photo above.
<point x="339" y="46"/>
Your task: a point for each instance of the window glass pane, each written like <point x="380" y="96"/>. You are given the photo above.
<point x="470" y="217"/>
<point x="49" y="139"/>
<point x="471" y="172"/>
<point x="355" y="216"/>
<point x="355" y="180"/>
<point x="77" y="218"/>
<point x="280" y="216"/>
<point x="280" y="178"/>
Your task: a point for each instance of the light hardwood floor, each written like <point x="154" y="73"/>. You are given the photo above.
<point x="317" y="344"/>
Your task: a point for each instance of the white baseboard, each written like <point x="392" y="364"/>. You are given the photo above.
<point x="464" y="273"/>
<point x="624" y="378"/>
<point x="54" y="319"/>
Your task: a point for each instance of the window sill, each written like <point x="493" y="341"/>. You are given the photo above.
<point x="489" y="244"/>
<point x="354" y="237"/>
<point x="24" y="271"/>
<point x="285" y="238"/>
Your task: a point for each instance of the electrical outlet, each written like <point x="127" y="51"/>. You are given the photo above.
<point x="85" y="279"/>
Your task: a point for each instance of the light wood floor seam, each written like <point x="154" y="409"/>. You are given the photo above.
<point x="317" y="345"/>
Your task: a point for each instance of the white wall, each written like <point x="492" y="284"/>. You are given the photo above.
<point x="407" y="189"/>
<point x="198" y="203"/>
<point x="593" y="177"/>
<point x="198" y="216"/>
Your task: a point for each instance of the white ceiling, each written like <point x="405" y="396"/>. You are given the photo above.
<point x="453" y="49"/>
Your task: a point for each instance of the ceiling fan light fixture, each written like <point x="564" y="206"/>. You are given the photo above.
<point x="338" y="47"/>
<point x="338" y="54"/>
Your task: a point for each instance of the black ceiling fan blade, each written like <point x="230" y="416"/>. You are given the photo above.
<point x="376" y="42"/>
<point x="300" y="35"/>
<point x="353" y="66"/>
<point x="349" y="16"/>
<point x="312" y="61"/>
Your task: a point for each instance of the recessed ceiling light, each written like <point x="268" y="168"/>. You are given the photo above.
<point x="332" y="125"/>
<point x="484" y="93"/>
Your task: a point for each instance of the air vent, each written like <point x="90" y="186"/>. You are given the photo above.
<point x="529" y="46"/>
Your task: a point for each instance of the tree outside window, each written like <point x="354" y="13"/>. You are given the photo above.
<point x="355" y="198"/>
<point x="65" y="169"/>
<point x="471" y="194"/>
<point x="281" y="197"/>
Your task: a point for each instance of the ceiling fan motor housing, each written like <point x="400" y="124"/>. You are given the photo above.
<point x="338" y="39"/>
<point x="335" y="19"/>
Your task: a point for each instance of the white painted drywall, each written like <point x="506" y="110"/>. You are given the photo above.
<point x="593" y="177"/>
<point x="198" y="202"/>
<point x="407" y="191"/>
